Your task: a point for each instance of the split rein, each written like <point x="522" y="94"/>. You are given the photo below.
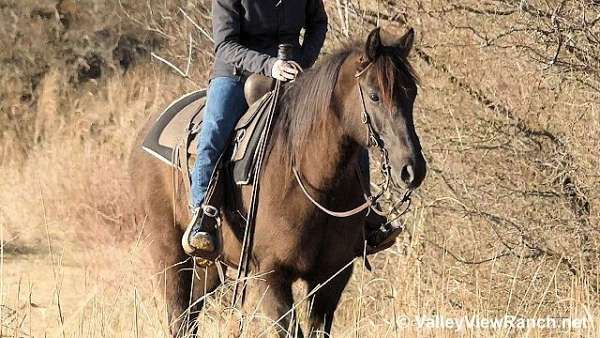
<point x="376" y="141"/>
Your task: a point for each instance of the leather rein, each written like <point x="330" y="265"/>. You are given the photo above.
<point x="374" y="140"/>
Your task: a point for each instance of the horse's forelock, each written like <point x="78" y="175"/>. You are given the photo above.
<point x="394" y="74"/>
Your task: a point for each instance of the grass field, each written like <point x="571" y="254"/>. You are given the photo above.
<point x="506" y="223"/>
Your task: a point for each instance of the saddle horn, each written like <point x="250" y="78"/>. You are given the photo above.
<point x="258" y="85"/>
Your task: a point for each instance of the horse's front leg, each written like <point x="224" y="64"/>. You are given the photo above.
<point x="270" y="296"/>
<point x="324" y="303"/>
<point x="173" y="272"/>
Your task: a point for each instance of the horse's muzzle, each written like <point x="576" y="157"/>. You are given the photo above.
<point x="412" y="173"/>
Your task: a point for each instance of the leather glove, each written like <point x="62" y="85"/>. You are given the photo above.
<point x="285" y="70"/>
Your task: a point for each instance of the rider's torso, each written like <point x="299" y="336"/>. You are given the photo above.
<point x="265" y="24"/>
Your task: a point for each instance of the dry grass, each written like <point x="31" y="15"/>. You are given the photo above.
<point x="506" y="222"/>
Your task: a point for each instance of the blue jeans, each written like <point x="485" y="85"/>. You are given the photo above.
<point x="225" y="104"/>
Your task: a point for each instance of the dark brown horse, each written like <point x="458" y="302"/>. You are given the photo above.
<point x="320" y="130"/>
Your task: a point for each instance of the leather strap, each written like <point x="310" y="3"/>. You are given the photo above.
<point x="340" y="214"/>
<point x="183" y="159"/>
<point x="248" y="240"/>
<point x="374" y="139"/>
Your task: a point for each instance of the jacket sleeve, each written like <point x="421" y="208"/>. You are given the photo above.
<point x="226" y="33"/>
<point x="314" y="34"/>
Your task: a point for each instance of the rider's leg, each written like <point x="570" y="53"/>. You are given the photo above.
<point x="224" y="106"/>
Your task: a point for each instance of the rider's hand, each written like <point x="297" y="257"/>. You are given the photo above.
<point x="285" y="70"/>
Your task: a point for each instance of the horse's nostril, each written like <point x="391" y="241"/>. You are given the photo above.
<point x="407" y="174"/>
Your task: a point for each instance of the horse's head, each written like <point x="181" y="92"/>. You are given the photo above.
<point x="387" y="90"/>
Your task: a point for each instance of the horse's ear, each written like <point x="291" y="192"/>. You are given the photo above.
<point x="373" y="45"/>
<point x="405" y="43"/>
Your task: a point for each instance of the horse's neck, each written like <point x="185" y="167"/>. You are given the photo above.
<point x="327" y="156"/>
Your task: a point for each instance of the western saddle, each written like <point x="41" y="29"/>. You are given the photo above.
<point x="173" y="137"/>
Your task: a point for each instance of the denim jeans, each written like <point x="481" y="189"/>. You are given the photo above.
<point x="225" y="104"/>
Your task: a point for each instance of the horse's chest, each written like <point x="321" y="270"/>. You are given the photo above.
<point x="324" y="244"/>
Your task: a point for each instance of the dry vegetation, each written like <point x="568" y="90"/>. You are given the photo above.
<point x="506" y="222"/>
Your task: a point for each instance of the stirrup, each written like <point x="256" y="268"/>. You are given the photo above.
<point x="202" y="215"/>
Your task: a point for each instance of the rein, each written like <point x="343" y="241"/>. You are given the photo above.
<point x="374" y="140"/>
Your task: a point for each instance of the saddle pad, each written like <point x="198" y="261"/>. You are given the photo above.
<point x="181" y="121"/>
<point x="172" y="125"/>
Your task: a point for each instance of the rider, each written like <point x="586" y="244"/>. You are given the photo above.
<point x="246" y="37"/>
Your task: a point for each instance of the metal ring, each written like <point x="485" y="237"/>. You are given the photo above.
<point x="364" y="117"/>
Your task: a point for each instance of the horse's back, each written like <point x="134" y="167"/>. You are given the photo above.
<point x="152" y="183"/>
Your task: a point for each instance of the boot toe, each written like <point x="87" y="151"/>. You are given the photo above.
<point x="203" y="241"/>
<point x="380" y="239"/>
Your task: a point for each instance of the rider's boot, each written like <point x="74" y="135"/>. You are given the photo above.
<point x="380" y="234"/>
<point x="202" y="237"/>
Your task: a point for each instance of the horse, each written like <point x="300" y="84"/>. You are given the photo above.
<point x="362" y="92"/>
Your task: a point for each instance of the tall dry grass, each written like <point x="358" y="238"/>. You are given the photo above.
<point x="506" y="222"/>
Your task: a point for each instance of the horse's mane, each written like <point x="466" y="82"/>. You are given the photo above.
<point x="305" y="101"/>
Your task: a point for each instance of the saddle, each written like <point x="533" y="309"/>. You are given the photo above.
<point x="173" y="137"/>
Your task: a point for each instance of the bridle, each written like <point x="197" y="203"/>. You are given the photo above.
<point x="374" y="140"/>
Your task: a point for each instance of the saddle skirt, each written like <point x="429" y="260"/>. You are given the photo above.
<point x="173" y="137"/>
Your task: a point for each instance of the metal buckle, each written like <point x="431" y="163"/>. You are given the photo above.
<point x="241" y="135"/>
<point x="210" y="211"/>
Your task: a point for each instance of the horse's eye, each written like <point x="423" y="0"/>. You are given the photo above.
<point x="374" y="97"/>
